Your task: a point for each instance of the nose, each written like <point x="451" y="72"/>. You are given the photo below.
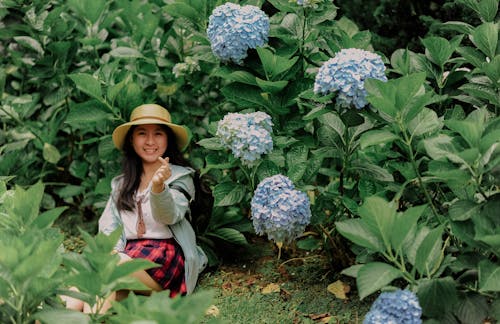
<point x="149" y="138"/>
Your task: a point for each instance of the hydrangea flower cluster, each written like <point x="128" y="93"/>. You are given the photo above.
<point x="233" y="29"/>
<point x="248" y="136"/>
<point x="400" y="306"/>
<point x="346" y="73"/>
<point x="187" y="67"/>
<point x="279" y="210"/>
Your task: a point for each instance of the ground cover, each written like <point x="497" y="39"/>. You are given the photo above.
<point x="256" y="287"/>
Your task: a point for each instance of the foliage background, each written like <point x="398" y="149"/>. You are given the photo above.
<point x="426" y="150"/>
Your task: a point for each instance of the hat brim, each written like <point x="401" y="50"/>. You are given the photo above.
<point x="181" y="133"/>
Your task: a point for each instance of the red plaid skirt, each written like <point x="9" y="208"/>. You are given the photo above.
<point x="166" y="252"/>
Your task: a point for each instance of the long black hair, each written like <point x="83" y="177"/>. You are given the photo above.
<point x="132" y="167"/>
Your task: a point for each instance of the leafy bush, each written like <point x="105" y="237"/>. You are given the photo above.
<point x="35" y="270"/>
<point x="410" y="180"/>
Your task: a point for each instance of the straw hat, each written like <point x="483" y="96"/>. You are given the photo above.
<point x="150" y="114"/>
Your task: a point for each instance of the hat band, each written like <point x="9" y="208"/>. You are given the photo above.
<point x="152" y="117"/>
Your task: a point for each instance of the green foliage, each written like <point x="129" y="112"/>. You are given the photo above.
<point x="35" y="270"/>
<point x="30" y="270"/>
<point x="411" y="181"/>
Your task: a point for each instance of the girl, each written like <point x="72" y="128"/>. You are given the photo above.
<point x="150" y="199"/>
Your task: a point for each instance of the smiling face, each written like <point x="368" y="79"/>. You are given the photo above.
<point x="149" y="142"/>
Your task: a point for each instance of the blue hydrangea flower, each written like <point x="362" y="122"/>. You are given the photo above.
<point x="233" y="29"/>
<point x="400" y="306"/>
<point x="248" y="136"/>
<point x="279" y="210"/>
<point x="346" y="73"/>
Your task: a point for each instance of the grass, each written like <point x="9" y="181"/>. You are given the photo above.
<point x="255" y="287"/>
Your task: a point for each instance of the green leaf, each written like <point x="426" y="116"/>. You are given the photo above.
<point x="236" y="76"/>
<point x="487" y="9"/>
<point x="245" y="97"/>
<point x="51" y="153"/>
<point x="371" y="171"/>
<point x="485" y="37"/>
<point x="404" y="224"/>
<point x="30" y="42"/>
<point x="182" y="10"/>
<point x="229" y="235"/>
<point x="125" y="52"/>
<point x="472" y="55"/>
<point x="266" y="169"/>
<point x="228" y="193"/>
<point x="428" y="256"/>
<point x="46" y="219"/>
<point x="426" y="122"/>
<point x="382" y="95"/>
<point x="379" y="215"/>
<point x="441" y="147"/>
<point x="472" y="308"/>
<point x="212" y="143"/>
<point x="274" y="64"/>
<point x="296" y="160"/>
<point x="62" y="316"/>
<point x="377" y="137"/>
<point x="489" y="276"/>
<point x="471" y="128"/>
<point x="438" y="50"/>
<point x="92" y="9"/>
<point x="462" y="210"/>
<point x="437" y="296"/>
<point x="334" y="122"/>
<point x="87" y="84"/>
<point x="87" y="114"/>
<point x="271" y="86"/>
<point x="127" y="268"/>
<point x="492" y="69"/>
<point x="374" y="276"/>
<point x="358" y="232"/>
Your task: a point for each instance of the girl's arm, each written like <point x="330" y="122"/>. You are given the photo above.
<point x="170" y="205"/>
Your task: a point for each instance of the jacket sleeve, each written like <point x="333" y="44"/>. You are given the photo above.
<point x="170" y="206"/>
<point x="110" y="220"/>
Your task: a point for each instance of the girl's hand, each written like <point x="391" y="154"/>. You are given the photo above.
<point x="162" y="174"/>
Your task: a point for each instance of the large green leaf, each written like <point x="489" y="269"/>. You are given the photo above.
<point x="403" y="225"/>
<point x="489" y="276"/>
<point x="62" y="316"/>
<point x="358" y="232"/>
<point x="87" y="84"/>
<point x="472" y="308"/>
<point x="428" y="256"/>
<point x="230" y="235"/>
<point x="271" y="86"/>
<point x="485" y="37"/>
<point x="297" y="162"/>
<point x="274" y="64"/>
<point x="379" y="215"/>
<point x="377" y="137"/>
<point x="425" y="122"/>
<point x="437" y="296"/>
<point x="438" y="50"/>
<point x="462" y="210"/>
<point x="228" y="193"/>
<point x="374" y="276"/>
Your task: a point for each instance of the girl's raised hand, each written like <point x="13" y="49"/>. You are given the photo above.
<point x="162" y="174"/>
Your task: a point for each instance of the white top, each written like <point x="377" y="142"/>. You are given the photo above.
<point x="154" y="229"/>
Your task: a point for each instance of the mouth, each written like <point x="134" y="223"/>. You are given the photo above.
<point x="150" y="151"/>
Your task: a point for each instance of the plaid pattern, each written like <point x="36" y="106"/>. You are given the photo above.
<point x="166" y="252"/>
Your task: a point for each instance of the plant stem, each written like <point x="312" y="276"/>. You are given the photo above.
<point x="419" y="177"/>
